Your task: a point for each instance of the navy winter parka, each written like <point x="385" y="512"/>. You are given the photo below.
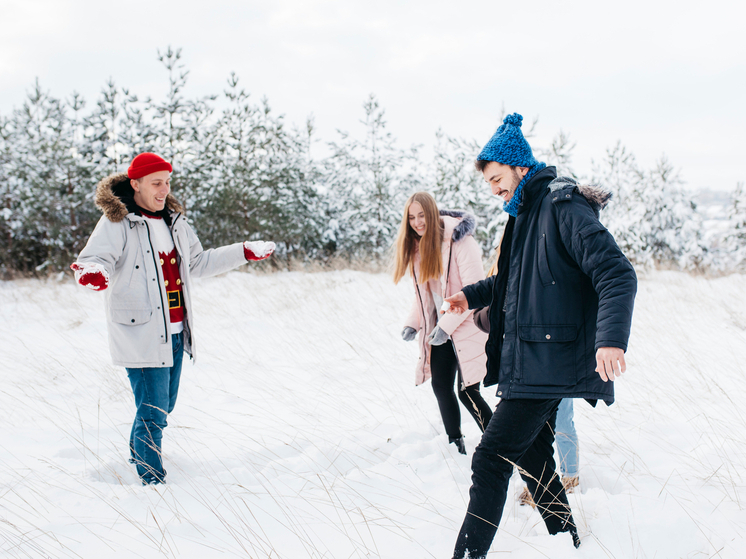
<point x="565" y="289"/>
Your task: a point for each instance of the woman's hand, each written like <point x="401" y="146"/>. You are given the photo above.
<point x="458" y="302"/>
<point x="438" y="336"/>
<point x="408" y="334"/>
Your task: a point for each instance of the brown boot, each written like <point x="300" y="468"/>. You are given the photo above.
<point x="525" y="498"/>
<point x="570" y="483"/>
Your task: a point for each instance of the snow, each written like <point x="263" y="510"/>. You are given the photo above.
<point x="261" y="249"/>
<point x="300" y="432"/>
<point x="93" y="270"/>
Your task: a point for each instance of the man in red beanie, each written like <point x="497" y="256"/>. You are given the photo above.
<point x="144" y="253"/>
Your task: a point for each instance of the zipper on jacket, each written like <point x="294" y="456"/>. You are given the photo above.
<point x="160" y="291"/>
<point x="424" y="321"/>
<point x="187" y="330"/>
<point x="422" y="310"/>
<point x="453" y="342"/>
<point x="171" y="231"/>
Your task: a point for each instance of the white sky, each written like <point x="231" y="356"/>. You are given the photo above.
<point x="662" y="77"/>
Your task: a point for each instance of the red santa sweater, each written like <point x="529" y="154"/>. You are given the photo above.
<point x="163" y="243"/>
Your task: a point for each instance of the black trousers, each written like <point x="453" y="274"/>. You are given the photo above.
<point x="520" y="433"/>
<point x="444" y="368"/>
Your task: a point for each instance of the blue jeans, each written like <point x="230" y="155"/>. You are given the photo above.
<point x="567" y="439"/>
<point x="155" y="390"/>
<point x="521" y="432"/>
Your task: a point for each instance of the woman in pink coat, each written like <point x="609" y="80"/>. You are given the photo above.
<point x="440" y="253"/>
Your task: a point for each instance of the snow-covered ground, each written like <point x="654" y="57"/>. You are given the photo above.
<point x="299" y="432"/>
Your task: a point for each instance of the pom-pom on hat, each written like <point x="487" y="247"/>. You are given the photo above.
<point x="147" y="163"/>
<point x="508" y="146"/>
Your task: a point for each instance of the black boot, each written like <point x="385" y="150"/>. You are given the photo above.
<point x="459" y="442"/>
<point x="575" y="537"/>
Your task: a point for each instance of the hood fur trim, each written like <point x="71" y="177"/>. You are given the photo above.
<point x="597" y="196"/>
<point x="467" y="223"/>
<point x="111" y="190"/>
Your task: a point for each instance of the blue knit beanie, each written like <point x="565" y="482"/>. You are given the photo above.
<point x="508" y="146"/>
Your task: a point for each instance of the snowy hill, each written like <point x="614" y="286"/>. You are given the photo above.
<point x="299" y="433"/>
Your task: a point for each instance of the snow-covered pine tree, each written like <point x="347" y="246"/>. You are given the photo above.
<point x="254" y="182"/>
<point x="459" y="186"/>
<point x="619" y="173"/>
<point x="8" y="200"/>
<point x="181" y="132"/>
<point x="295" y="212"/>
<point x="116" y="130"/>
<point x="559" y="154"/>
<point x="652" y="218"/>
<point x="310" y="200"/>
<point x="670" y="224"/>
<point x="170" y="115"/>
<point x="369" y="181"/>
<point x="49" y="209"/>
<point x="735" y="239"/>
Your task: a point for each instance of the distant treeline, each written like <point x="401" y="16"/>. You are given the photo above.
<point x="242" y="173"/>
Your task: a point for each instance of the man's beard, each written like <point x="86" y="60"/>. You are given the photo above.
<point x="516" y="181"/>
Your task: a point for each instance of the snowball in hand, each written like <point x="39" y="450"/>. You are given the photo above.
<point x="445" y="306"/>
<point x="258" y="250"/>
<point x="91" y="275"/>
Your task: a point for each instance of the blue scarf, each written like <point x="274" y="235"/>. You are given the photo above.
<point x="512" y="205"/>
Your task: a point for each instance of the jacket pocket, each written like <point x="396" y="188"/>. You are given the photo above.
<point x="547" y="354"/>
<point x="545" y="274"/>
<point x="137" y="271"/>
<point x="131" y="316"/>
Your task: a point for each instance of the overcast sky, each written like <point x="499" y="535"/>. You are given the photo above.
<point x="663" y="77"/>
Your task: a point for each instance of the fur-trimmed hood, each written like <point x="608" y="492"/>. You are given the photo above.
<point x="597" y="196"/>
<point x="114" y="197"/>
<point x="467" y="224"/>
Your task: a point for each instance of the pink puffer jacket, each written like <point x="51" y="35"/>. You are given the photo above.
<point x="462" y="265"/>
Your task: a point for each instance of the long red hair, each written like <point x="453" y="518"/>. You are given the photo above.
<point x="431" y="260"/>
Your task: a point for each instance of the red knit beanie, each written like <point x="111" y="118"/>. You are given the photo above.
<point x="147" y="163"/>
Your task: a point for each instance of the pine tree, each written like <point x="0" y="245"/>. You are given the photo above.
<point x="115" y="130"/>
<point x="458" y="185"/>
<point x="619" y="173"/>
<point x="48" y="188"/>
<point x="652" y="218"/>
<point x="735" y="239"/>
<point x="255" y="182"/>
<point x="670" y="224"/>
<point x="559" y="154"/>
<point x="181" y="131"/>
<point x="9" y="223"/>
<point x="369" y="181"/>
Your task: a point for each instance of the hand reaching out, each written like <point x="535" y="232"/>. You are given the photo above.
<point x="92" y="276"/>
<point x="458" y="302"/>
<point x="258" y="250"/>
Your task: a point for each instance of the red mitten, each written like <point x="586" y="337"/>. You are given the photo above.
<point x="92" y="276"/>
<point x="258" y="250"/>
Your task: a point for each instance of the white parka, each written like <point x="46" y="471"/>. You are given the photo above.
<point x="137" y="314"/>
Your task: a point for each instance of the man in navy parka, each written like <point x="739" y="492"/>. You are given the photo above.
<point x="560" y="310"/>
